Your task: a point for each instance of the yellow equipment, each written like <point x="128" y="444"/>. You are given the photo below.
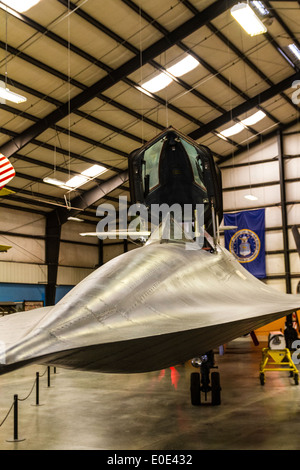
<point x="277" y="358"/>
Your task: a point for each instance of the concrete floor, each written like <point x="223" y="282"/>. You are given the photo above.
<point x="87" y="411"/>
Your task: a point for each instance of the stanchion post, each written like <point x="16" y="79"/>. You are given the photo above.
<point x="37" y="400"/>
<point x="48" y="373"/>
<point x="15" y="417"/>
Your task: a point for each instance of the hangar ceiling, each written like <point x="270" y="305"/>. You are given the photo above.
<point x="81" y="66"/>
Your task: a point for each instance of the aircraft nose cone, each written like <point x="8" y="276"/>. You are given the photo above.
<point x="105" y="307"/>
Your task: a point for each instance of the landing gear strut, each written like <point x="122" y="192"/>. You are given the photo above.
<point x="204" y="381"/>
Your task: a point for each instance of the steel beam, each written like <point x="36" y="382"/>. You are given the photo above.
<point x="284" y="213"/>
<point x="244" y="107"/>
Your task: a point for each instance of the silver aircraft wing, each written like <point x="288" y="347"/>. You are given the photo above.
<point x="148" y="309"/>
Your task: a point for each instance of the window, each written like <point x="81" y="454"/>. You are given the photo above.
<point x="196" y="163"/>
<point x="151" y="166"/>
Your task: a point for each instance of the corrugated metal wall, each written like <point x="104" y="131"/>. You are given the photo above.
<point x="263" y="178"/>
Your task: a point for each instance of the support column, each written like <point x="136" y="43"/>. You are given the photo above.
<point x="53" y="232"/>
<point x="100" y="251"/>
<point x="284" y="213"/>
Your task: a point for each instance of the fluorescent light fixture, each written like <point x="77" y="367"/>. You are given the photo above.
<point x="294" y="49"/>
<point x="251" y="197"/>
<point x="183" y="66"/>
<point x="143" y="90"/>
<point x="177" y="70"/>
<point x="157" y="83"/>
<point x="232" y="130"/>
<point x="256" y="117"/>
<point x="86" y="176"/>
<point x="248" y="20"/>
<point x="76" y="181"/>
<point x="55" y="182"/>
<point x="75" y="219"/>
<point x="240" y="126"/>
<point x="260" y="7"/>
<point x="94" y="170"/>
<point x="6" y="94"/>
<point x="20" y="5"/>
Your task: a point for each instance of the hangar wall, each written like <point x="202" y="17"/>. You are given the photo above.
<point x="23" y="271"/>
<point x="258" y="171"/>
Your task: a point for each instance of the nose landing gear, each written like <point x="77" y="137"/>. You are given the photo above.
<point x="204" y="381"/>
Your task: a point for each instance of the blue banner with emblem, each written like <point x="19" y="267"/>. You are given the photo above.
<point x="247" y="241"/>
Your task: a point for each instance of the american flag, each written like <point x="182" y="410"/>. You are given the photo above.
<point x="7" y="171"/>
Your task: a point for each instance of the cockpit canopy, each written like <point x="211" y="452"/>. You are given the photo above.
<point x="173" y="169"/>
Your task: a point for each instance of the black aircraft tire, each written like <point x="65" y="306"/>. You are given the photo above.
<point x="262" y="378"/>
<point x="215" y="389"/>
<point x="195" y="389"/>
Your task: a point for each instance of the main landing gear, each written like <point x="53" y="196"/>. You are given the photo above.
<point x="204" y="381"/>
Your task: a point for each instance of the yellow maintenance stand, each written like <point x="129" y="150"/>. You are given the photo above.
<point x="277" y="358"/>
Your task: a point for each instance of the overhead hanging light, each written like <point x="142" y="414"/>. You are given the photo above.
<point x="157" y="83"/>
<point x="240" y="126"/>
<point x="183" y="66"/>
<point x="6" y="94"/>
<point x="295" y="51"/>
<point x="19" y="5"/>
<point x="55" y="182"/>
<point x="248" y="20"/>
<point x="86" y="176"/>
<point x="75" y="219"/>
<point x="94" y="171"/>
<point x="251" y="197"/>
<point x="162" y="80"/>
<point x="260" y="7"/>
<point x="256" y="117"/>
<point x="77" y="180"/>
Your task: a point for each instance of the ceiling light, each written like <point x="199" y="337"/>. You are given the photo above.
<point x="183" y="66"/>
<point x="294" y="49"/>
<point x="55" y="182"/>
<point x="75" y="219"/>
<point x="94" y="170"/>
<point x="157" y="83"/>
<point x="6" y="94"/>
<point x="248" y="20"/>
<point x="254" y="118"/>
<point x="222" y="137"/>
<point x="238" y="127"/>
<point x="76" y="181"/>
<point x="19" y="5"/>
<point x="261" y="8"/>
<point x="251" y="197"/>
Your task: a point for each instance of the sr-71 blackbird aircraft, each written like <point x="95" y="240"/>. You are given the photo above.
<point x="160" y="304"/>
